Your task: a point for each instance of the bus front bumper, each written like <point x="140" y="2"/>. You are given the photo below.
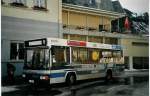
<point x="36" y="79"/>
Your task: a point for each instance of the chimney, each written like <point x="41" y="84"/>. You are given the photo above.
<point x="98" y="3"/>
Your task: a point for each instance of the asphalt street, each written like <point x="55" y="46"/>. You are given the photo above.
<point x="131" y="85"/>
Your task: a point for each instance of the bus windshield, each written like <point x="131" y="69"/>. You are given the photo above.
<point x="37" y="58"/>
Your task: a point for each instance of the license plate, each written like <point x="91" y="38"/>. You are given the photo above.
<point x="35" y="76"/>
<point x="31" y="81"/>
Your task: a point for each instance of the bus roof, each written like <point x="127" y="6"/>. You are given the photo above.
<point x="63" y="42"/>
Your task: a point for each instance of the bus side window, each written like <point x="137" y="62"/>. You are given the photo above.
<point x="67" y="55"/>
<point x="53" y="54"/>
<point x="47" y="57"/>
<point x="52" y="51"/>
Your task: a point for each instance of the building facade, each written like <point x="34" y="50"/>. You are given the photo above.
<point x="24" y="20"/>
<point x="136" y="52"/>
<point x="30" y="19"/>
<point x="94" y="25"/>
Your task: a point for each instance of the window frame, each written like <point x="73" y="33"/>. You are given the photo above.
<point x="19" y="3"/>
<point x="140" y="44"/>
<point x="2" y="2"/>
<point x="39" y="6"/>
<point x="17" y="58"/>
<point x="140" y="62"/>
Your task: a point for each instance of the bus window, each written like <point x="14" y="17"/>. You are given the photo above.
<point x="94" y="55"/>
<point x="79" y="55"/>
<point x="106" y="57"/>
<point x="118" y="59"/>
<point x="83" y="55"/>
<point x="117" y="53"/>
<point x="59" y="55"/>
<point x="75" y="55"/>
<point x="37" y="58"/>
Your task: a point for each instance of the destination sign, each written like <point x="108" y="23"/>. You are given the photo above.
<point x="37" y="42"/>
<point x="33" y="43"/>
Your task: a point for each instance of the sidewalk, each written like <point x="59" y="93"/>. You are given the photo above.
<point x="137" y="72"/>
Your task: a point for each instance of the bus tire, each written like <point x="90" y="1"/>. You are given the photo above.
<point x="108" y="76"/>
<point x="70" y="79"/>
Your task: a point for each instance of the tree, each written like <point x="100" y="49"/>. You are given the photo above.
<point x="146" y="17"/>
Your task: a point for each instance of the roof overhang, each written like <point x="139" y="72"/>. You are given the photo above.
<point x="92" y="11"/>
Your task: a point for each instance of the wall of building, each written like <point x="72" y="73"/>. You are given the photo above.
<point x="23" y="23"/>
<point x="51" y="15"/>
<point x="84" y="20"/>
<point x="17" y="29"/>
<point x="136" y="52"/>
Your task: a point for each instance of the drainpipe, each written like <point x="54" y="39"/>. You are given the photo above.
<point x="59" y="23"/>
<point x="118" y="25"/>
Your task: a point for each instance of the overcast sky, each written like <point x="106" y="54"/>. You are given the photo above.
<point x="138" y="6"/>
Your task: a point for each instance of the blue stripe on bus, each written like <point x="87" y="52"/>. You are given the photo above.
<point x="61" y="67"/>
<point x="55" y="75"/>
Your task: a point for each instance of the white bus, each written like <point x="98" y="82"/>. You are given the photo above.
<point x="53" y="60"/>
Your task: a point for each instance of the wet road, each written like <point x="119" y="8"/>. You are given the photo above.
<point x="130" y="86"/>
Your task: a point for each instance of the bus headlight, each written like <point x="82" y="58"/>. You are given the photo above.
<point x="44" y="77"/>
<point x="23" y="75"/>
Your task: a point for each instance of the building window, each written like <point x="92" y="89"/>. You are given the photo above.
<point x="95" y="39"/>
<point x="78" y="37"/>
<point x="140" y="62"/>
<point x="111" y="40"/>
<point x="140" y="44"/>
<point x="18" y="3"/>
<point x="17" y="51"/>
<point x="65" y="36"/>
<point x="40" y="5"/>
<point x="126" y="62"/>
<point x="145" y="61"/>
<point x="2" y="2"/>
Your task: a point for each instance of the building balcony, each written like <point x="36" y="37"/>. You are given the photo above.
<point x="94" y="32"/>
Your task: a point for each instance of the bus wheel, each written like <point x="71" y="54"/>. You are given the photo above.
<point x="71" y="79"/>
<point x="108" y="76"/>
